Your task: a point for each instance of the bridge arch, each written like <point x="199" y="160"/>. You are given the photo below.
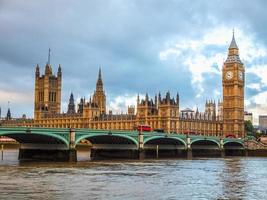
<point x="164" y="140"/>
<point x="107" y="139"/>
<point x="204" y="142"/>
<point x="36" y="137"/>
<point x="233" y="144"/>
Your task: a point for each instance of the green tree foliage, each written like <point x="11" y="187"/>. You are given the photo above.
<point x="249" y="129"/>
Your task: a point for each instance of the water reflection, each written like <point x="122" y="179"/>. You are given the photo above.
<point x="216" y="178"/>
<point x="234" y="178"/>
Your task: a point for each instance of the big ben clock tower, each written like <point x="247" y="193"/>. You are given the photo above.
<point x="233" y="80"/>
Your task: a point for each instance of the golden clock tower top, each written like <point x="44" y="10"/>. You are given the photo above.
<point x="233" y="54"/>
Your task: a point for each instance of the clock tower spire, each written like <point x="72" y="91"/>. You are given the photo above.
<point x="233" y="93"/>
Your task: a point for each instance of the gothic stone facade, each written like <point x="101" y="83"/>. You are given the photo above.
<point x="160" y="112"/>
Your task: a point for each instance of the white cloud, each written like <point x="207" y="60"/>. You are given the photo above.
<point x="255" y="86"/>
<point x="11" y="96"/>
<point x="200" y="55"/>
<point x="260" y="98"/>
<point x="120" y="103"/>
<point x="260" y="71"/>
<point x="195" y="55"/>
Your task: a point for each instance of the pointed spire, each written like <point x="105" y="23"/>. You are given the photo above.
<point x="59" y="72"/>
<point x="168" y="96"/>
<point x="8" y="115"/>
<point x="99" y="83"/>
<point x="71" y="105"/>
<point x="177" y="98"/>
<point x="48" y="60"/>
<point x="71" y="96"/>
<point x="37" y="71"/>
<point x="233" y="44"/>
<point x="146" y="97"/>
<point x="233" y="54"/>
<point x="99" y="73"/>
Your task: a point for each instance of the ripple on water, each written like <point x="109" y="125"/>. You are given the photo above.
<point x="230" y="178"/>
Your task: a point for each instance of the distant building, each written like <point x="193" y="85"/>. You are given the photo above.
<point x="262" y="122"/>
<point x="248" y="116"/>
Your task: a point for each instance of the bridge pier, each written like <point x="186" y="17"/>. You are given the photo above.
<point x="72" y="155"/>
<point x="72" y="149"/>
<point x="47" y="155"/>
<point x="141" y="154"/>
<point x="141" y="150"/>
<point x="189" y="149"/>
<point x="246" y="152"/>
<point x="222" y="153"/>
<point x="189" y="154"/>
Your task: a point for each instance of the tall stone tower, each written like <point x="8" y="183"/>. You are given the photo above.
<point x="233" y="80"/>
<point x="47" y="99"/>
<point x="99" y="96"/>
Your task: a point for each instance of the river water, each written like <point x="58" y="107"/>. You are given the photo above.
<point x="205" y="178"/>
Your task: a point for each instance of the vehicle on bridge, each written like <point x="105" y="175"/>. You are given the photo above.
<point x="230" y="136"/>
<point x="144" y="128"/>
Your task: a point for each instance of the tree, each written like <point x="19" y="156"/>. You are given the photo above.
<point x="249" y="127"/>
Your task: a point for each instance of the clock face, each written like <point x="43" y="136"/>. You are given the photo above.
<point x="229" y="75"/>
<point x="240" y="75"/>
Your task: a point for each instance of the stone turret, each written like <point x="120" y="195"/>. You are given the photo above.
<point x="71" y="106"/>
<point x="99" y="96"/>
<point x="8" y="115"/>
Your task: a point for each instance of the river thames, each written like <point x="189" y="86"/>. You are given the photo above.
<point x="202" y="178"/>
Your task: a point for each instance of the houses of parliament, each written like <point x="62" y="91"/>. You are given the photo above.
<point x="160" y="112"/>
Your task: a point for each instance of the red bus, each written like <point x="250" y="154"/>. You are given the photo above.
<point x="230" y="136"/>
<point x="145" y="128"/>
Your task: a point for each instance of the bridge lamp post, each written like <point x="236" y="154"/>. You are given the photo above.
<point x="222" y="148"/>
<point x="72" y="138"/>
<point x="141" y="151"/>
<point x="188" y="145"/>
<point x="141" y="138"/>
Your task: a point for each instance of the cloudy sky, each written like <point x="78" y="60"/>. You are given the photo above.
<point x="142" y="46"/>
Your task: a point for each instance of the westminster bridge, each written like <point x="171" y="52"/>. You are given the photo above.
<point x="61" y="144"/>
